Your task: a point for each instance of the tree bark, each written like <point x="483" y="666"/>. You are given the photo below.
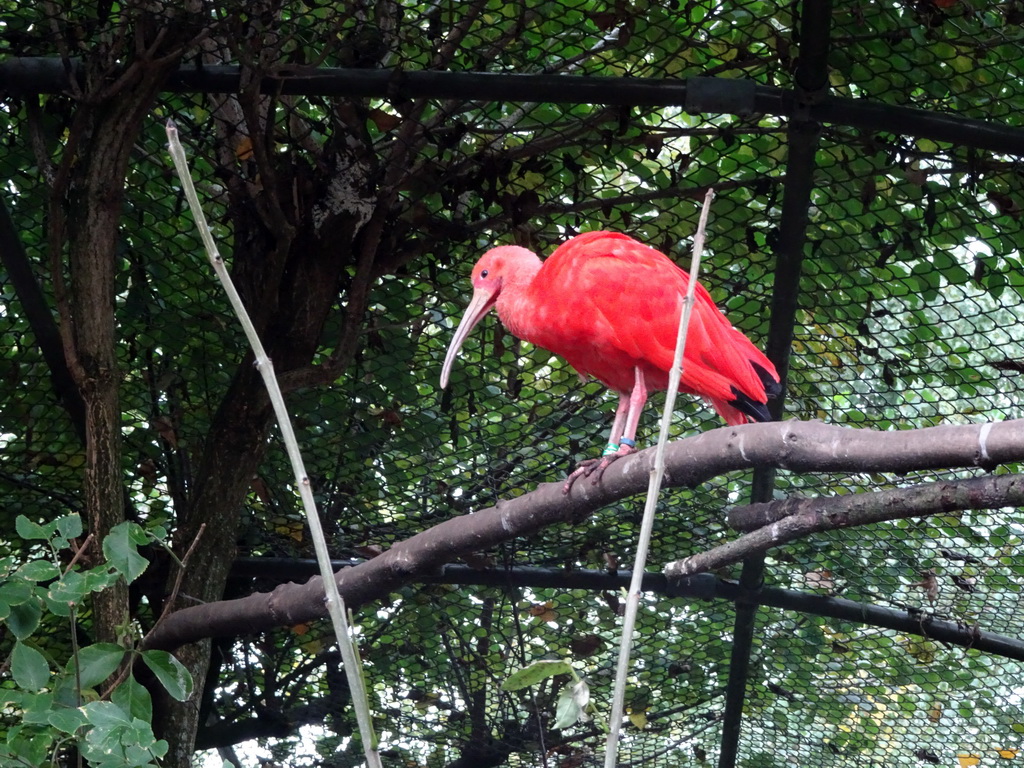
<point x="806" y="446"/>
<point x="114" y="94"/>
<point x="85" y="212"/>
<point x="773" y="524"/>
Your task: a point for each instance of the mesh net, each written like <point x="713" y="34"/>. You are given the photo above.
<point x="908" y="307"/>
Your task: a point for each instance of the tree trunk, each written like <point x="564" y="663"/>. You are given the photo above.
<point x="89" y="207"/>
<point x="116" y="87"/>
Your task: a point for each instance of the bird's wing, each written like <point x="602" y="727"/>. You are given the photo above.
<point x="614" y="303"/>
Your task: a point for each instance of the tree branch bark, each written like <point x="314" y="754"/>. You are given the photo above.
<point x="776" y="523"/>
<point x="793" y="445"/>
<point x="86" y="202"/>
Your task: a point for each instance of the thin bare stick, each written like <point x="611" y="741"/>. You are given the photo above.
<point x="80" y="551"/>
<point x="335" y="606"/>
<point x="171" y="598"/>
<point x="653" y="489"/>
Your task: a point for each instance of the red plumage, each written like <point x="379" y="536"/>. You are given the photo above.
<point x="610" y="306"/>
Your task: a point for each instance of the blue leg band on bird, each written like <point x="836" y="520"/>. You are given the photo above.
<point x="610" y="449"/>
<point x="628" y="443"/>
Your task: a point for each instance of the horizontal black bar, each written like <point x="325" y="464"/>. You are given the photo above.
<point x="703" y="95"/>
<point x="702" y="587"/>
<point x="873" y="615"/>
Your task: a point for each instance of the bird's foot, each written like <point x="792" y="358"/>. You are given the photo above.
<point x="596" y="467"/>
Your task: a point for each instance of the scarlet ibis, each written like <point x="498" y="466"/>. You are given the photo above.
<point x="610" y="306"/>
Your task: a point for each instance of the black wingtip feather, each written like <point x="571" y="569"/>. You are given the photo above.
<point x="755" y="410"/>
<point x="772" y="386"/>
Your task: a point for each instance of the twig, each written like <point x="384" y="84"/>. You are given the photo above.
<point x="79" y="551"/>
<point x="169" y="602"/>
<point x="335" y="606"/>
<point x="653" y="488"/>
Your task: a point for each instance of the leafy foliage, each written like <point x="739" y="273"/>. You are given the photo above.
<point x="909" y="299"/>
<point x="93" y="703"/>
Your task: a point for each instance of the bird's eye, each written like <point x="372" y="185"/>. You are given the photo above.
<point x="484" y="273"/>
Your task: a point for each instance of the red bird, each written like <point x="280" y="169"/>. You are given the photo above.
<point x="610" y="306"/>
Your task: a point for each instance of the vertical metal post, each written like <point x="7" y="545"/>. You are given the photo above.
<point x="802" y="138"/>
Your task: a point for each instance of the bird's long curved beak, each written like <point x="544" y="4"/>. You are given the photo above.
<point x="481" y="304"/>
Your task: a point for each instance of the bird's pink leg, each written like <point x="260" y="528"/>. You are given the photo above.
<point x="622" y="440"/>
<point x="620" y="418"/>
<point x="637" y="400"/>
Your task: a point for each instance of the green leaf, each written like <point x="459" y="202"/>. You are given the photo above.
<point x="106" y="714"/>
<point x="24" y="618"/>
<point x="118" y="739"/>
<point x="120" y="547"/>
<point x="535" y="673"/>
<point x="99" y="578"/>
<point x="28" y="530"/>
<point x="37" y="709"/>
<point x="170" y="672"/>
<point x="11" y="697"/>
<point x="97" y="662"/>
<point x="67" y="694"/>
<point x="68" y="527"/>
<point x="71" y="589"/>
<point x="7" y="565"/>
<point x="16" y="592"/>
<point x="38" y="570"/>
<point x="67" y="719"/>
<point x="28" y="746"/>
<point x="134" y="699"/>
<point x="29" y="667"/>
<point x="159" y="748"/>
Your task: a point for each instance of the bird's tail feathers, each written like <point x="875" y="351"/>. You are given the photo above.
<point x="772" y="385"/>
<point x="746" y="408"/>
<point x="743" y="408"/>
<point x="738" y="411"/>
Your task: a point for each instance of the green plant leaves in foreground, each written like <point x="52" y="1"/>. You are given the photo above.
<point x="170" y="672"/>
<point x="107" y="715"/>
<point x="29" y="667"/>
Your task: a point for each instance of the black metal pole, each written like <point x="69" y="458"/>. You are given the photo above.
<point x="36" y="75"/>
<point x="802" y="145"/>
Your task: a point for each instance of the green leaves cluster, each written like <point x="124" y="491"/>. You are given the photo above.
<point x="91" y="701"/>
<point x="911" y="290"/>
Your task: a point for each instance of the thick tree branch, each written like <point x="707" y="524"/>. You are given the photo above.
<point x="33" y="303"/>
<point x="791" y="519"/>
<point x="268" y="723"/>
<point x="794" y="445"/>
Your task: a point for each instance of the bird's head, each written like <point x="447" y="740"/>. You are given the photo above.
<point x="502" y="267"/>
